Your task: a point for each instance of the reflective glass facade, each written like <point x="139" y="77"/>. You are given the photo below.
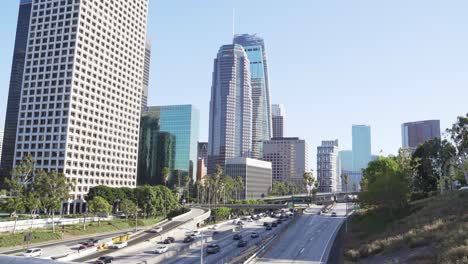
<point x="361" y="146"/>
<point x="254" y="46"/>
<point x="181" y="121"/>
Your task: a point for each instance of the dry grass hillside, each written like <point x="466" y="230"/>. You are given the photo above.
<point x="434" y="230"/>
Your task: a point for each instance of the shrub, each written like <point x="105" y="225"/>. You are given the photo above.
<point x="352" y="255"/>
<point x="457" y="254"/>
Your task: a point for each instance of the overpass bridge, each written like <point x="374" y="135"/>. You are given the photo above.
<point x="306" y="198"/>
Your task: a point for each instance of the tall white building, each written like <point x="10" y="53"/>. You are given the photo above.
<point x="289" y="158"/>
<point x="328" y="167"/>
<point x="81" y="93"/>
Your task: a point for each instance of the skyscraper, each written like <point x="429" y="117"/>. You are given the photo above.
<point x="1" y="143"/>
<point x="202" y="152"/>
<point x="277" y="118"/>
<point x="146" y="75"/>
<point x="230" y="131"/>
<point x="328" y="167"/>
<point x="156" y="151"/>
<point x="181" y="121"/>
<point x="289" y="158"/>
<point x="346" y="160"/>
<point x="14" y="91"/>
<point x="254" y="46"/>
<point x="416" y="133"/>
<point x="81" y="91"/>
<point x="361" y="146"/>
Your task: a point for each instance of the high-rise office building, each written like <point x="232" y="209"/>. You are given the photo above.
<point x="289" y="158"/>
<point x="14" y="91"/>
<point x="346" y="160"/>
<point x="256" y="175"/>
<point x="230" y="132"/>
<point x="202" y="152"/>
<point x="361" y="146"/>
<point x="81" y="91"/>
<point x="277" y="120"/>
<point x="1" y="144"/>
<point x="328" y="167"/>
<point x="254" y="46"/>
<point x="146" y="75"/>
<point x="156" y="151"/>
<point x="182" y="121"/>
<point x="416" y="133"/>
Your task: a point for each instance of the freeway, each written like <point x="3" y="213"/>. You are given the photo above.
<point x="229" y="248"/>
<point x="308" y="240"/>
<point x="134" y="245"/>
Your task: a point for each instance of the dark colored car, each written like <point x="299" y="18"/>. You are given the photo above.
<point x="254" y="235"/>
<point x="333" y="214"/>
<point x="169" y="240"/>
<point x="240" y="223"/>
<point x="279" y="221"/>
<point x="213" y="249"/>
<point x="268" y="227"/>
<point x="189" y="239"/>
<point x="237" y="237"/>
<point x="104" y="259"/>
<point x="274" y="224"/>
<point x="266" y="224"/>
<point x="86" y="245"/>
<point x="242" y="243"/>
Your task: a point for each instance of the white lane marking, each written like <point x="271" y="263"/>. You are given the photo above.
<point x="328" y="242"/>
<point x="302" y="250"/>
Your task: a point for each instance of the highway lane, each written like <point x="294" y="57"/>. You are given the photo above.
<point x="141" y="239"/>
<point x="308" y="240"/>
<point x="229" y="248"/>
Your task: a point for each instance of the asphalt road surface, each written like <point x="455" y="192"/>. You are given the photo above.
<point x="308" y="240"/>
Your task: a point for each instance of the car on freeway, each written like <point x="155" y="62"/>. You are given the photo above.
<point x="464" y="188"/>
<point x="157" y="229"/>
<point x="213" y="227"/>
<point x="254" y="235"/>
<point x="319" y="212"/>
<point x="161" y="249"/>
<point x="266" y="224"/>
<point x="104" y="260"/>
<point x="213" y="248"/>
<point x="32" y="253"/>
<point x="333" y="214"/>
<point x="237" y="237"/>
<point x="279" y="221"/>
<point x="240" y="223"/>
<point x="188" y="239"/>
<point x="169" y="240"/>
<point x="274" y="224"/>
<point x="268" y="227"/>
<point x="242" y="243"/>
<point x="244" y="218"/>
<point x="118" y="245"/>
<point x="86" y="245"/>
<point x="249" y="220"/>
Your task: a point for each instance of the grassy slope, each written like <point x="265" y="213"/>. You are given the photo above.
<point x="46" y="234"/>
<point x="433" y="230"/>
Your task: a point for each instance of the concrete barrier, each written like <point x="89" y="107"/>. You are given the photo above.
<point x="8" y="226"/>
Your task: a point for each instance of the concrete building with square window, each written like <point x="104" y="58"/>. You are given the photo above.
<point x="81" y="93"/>
<point x="328" y="167"/>
<point x="256" y="175"/>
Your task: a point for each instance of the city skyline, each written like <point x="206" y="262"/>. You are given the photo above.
<point x="386" y="128"/>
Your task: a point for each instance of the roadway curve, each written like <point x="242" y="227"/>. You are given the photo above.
<point x="308" y="240"/>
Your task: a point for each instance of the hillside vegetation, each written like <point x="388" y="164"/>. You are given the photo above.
<point x="433" y="230"/>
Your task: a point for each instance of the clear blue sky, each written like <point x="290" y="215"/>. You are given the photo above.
<point x="332" y="63"/>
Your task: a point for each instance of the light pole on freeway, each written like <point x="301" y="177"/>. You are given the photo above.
<point x="202" y="242"/>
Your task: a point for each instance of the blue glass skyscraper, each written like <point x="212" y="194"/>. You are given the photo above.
<point x="361" y="146"/>
<point x="254" y="46"/>
<point x="181" y="121"/>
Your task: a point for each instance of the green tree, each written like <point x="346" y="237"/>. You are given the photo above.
<point x="52" y="189"/>
<point x="459" y="136"/>
<point x="384" y="185"/>
<point x="310" y="183"/>
<point x="239" y="186"/>
<point x="98" y="206"/>
<point x="431" y="162"/>
<point x="221" y="213"/>
<point x="128" y="207"/>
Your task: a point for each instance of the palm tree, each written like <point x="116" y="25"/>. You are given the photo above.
<point x="239" y="185"/>
<point x="309" y="181"/>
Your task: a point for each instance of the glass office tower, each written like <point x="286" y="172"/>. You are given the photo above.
<point x="156" y="151"/>
<point x="182" y="121"/>
<point x="361" y="146"/>
<point x="14" y="92"/>
<point x="230" y="132"/>
<point x="254" y="46"/>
